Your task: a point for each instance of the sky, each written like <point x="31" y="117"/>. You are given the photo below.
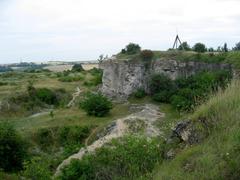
<point x="75" y="30"/>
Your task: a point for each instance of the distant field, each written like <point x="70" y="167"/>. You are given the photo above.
<point x="89" y="66"/>
<point x="61" y="68"/>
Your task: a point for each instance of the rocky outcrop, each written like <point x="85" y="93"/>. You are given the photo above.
<point x="121" y="77"/>
<point x="191" y="132"/>
<point x="149" y="114"/>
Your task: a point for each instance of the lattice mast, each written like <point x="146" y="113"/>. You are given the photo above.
<point x="175" y="44"/>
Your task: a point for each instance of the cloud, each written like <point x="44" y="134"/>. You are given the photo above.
<point x="83" y="29"/>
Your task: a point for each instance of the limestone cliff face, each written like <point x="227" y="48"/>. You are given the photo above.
<point x="122" y="78"/>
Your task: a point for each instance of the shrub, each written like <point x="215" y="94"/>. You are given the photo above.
<point x="162" y="96"/>
<point x="45" y="137"/>
<point x="140" y="93"/>
<point x="132" y="48"/>
<point x="186" y="93"/>
<point x="12" y="148"/>
<point x="160" y="82"/>
<point x="88" y="83"/>
<point x="77" y="68"/>
<point x="36" y="168"/>
<point x="66" y="136"/>
<point x="70" y="78"/>
<point x="184" y="100"/>
<point x="128" y="158"/>
<point x="97" y="76"/>
<point x="96" y="105"/>
<point x="3" y="83"/>
<point x="199" y="47"/>
<point x="237" y="47"/>
<point x="146" y="55"/>
<point x="195" y="89"/>
<point x="123" y="51"/>
<point x="62" y="97"/>
<point x="47" y="96"/>
<point x="184" y="46"/>
<point x="95" y="71"/>
<point x="73" y="134"/>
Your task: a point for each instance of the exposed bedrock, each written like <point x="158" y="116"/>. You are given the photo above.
<point x="122" y="78"/>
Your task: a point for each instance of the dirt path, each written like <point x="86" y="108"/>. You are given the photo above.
<point x="74" y="96"/>
<point x="40" y="114"/>
<point x="149" y="114"/>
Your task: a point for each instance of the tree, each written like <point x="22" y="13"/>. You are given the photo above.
<point x="199" y="47"/>
<point x="96" y="104"/>
<point x="132" y="48"/>
<point x="12" y="148"/>
<point x="77" y="68"/>
<point x="210" y="49"/>
<point x="225" y="48"/>
<point x="184" y="46"/>
<point x="237" y="47"/>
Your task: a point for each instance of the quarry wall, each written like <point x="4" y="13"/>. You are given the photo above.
<point x="122" y="77"/>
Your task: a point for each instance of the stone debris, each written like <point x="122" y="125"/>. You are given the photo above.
<point x="149" y="114"/>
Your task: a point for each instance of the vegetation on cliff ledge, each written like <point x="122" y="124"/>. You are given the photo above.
<point x="199" y="53"/>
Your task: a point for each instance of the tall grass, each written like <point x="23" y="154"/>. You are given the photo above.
<point x="218" y="156"/>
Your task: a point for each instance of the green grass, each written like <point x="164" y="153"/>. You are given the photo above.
<point x="18" y="81"/>
<point x="62" y="117"/>
<point x="232" y="57"/>
<point x="172" y="116"/>
<point x="218" y="156"/>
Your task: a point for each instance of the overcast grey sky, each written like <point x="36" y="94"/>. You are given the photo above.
<point x="41" y="30"/>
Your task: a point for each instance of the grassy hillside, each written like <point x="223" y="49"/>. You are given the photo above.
<point x="208" y="57"/>
<point x="218" y="156"/>
<point x="56" y="132"/>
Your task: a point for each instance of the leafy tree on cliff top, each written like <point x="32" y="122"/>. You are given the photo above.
<point x="199" y="47"/>
<point x="184" y="46"/>
<point x="237" y="47"/>
<point x="131" y="48"/>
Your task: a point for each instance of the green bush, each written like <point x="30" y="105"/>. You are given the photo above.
<point x="69" y="137"/>
<point x="97" y="76"/>
<point x="96" y="104"/>
<point x="45" y="137"/>
<point x="184" y="46"/>
<point x="95" y="71"/>
<point x="8" y="176"/>
<point x="12" y="148"/>
<point x="71" y="78"/>
<point x="160" y="82"/>
<point x="140" y="93"/>
<point x="237" y="47"/>
<point x="199" y="47"/>
<point x="186" y="93"/>
<point x="73" y="134"/>
<point x="77" y="68"/>
<point x="131" y="48"/>
<point x="146" y="55"/>
<point x="162" y="96"/>
<point x="3" y="83"/>
<point x="47" y="96"/>
<point x="88" y="83"/>
<point x="126" y="158"/>
<point x="36" y="168"/>
<point x="184" y="100"/>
